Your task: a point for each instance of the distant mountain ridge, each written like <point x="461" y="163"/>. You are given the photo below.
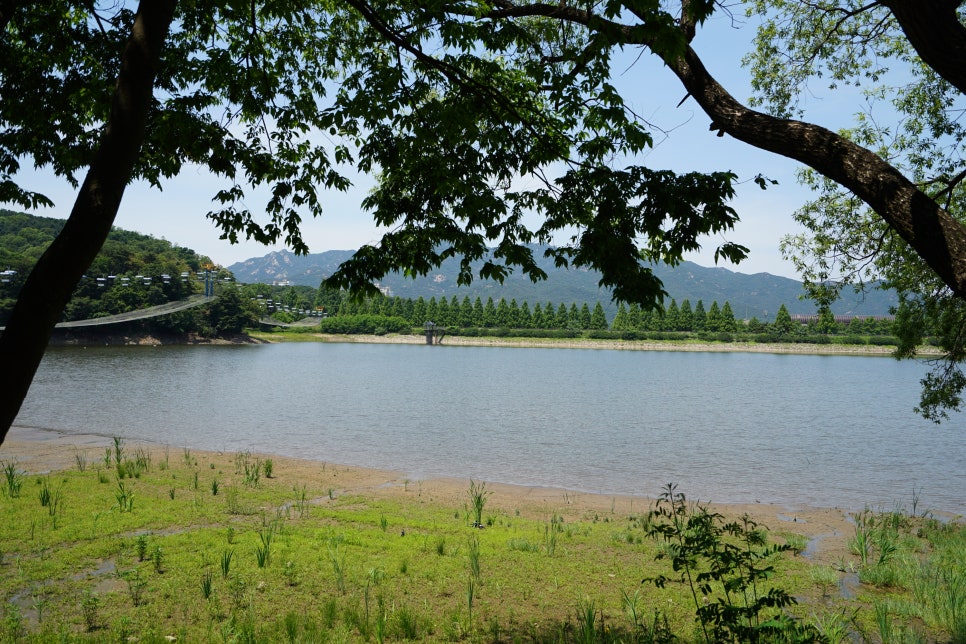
<point x="757" y="295"/>
<point x="23" y="238"/>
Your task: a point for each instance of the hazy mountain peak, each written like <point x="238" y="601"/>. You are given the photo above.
<point x="758" y="295"/>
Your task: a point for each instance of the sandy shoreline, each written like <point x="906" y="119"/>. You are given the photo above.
<point x="618" y="345"/>
<point x="73" y="337"/>
<point x="38" y="451"/>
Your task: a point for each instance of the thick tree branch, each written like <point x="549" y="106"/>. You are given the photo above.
<point x="53" y="279"/>
<point x="934" y="29"/>
<point x="935" y="235"/>
<point x="7" y="7"/>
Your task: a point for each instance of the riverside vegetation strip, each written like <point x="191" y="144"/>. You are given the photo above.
<point x="154" y="543"/>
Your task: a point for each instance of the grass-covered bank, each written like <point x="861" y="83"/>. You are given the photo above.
<point x="153" y="542"/>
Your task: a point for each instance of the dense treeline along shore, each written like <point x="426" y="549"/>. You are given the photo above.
<point x="135" y="271"/>
<point x="117" y="541"/>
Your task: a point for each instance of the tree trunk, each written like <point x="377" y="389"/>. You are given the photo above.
<point x="50" y="284"/>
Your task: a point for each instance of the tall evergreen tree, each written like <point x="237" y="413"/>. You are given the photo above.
<point x="489" y="314"/>
<point x="478" y="314"/>
<point x="634" y="319"/>
<point x="454" y="311"/>
<point x="728" y="322"/>
<point x="699" y="318"/>
<point x="539" y="321"/>
<point x="585" y="316"/>
<point x="443" y="317"/>
<point x="621" y="319"/>
<point x="672" y="317"/>
<point x="503" y="319"/>
<point x="562" y="319"/>
<point x="826" y="321"/>
<point x="598" y="320"/>
<point x="573" y="317"/>
<point x="419" y="317"/>
<point x="783" y="322"/>
<point x="466" y="312"/>
<point x="713" y="320"/>
<point x="514" y="314"/>
<point x="685" y="317"/>
<point x="526" y="318"/>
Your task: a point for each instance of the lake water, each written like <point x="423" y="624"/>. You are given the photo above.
<point x="726" y="427"/>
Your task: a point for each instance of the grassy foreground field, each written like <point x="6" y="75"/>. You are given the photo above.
<point x="108" y="541"/>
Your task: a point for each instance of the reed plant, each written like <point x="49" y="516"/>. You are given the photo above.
<point x="90" y="604"/>
<point x="233" y="500"/>
<point x="226" y="557"/>
<point x="157" y="559"/>
<point x="337" y="559"/>
<point x="263" y="551"/>
<point x="253" y="472"/>
<point x="834" y="626"/>
<point x="301" y="501"/>
<point x="586" y="621"/>
<point x="124" y="496"/>
<point x="938" y="581"/>
<point x="478" y="496"/>
<point x="473" y="552"/>
<point x="45" y="492"/>
<point x="470" y="595"/>
<point x="207" y="585"/>
<point x="825" y="577"/>
<point x="797" y="542"/>
<point x="13" y="478"/>
<point x="118" y="450"/>
<point x="136" y="585"/>
<point x="141" y="546"/>
<point x="142" y="459"/>
<point x="550" y="533"/>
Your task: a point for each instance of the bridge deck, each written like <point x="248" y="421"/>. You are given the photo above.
<point x="140" y="314"/>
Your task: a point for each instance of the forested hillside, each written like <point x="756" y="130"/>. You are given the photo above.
<point x="132" y="271"/>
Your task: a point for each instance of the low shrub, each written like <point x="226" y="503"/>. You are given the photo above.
<point x="364" y="324"/>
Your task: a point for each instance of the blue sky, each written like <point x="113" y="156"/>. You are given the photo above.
<point x="177" y="213"/>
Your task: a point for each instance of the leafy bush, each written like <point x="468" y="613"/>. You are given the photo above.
<point x="883" y="340"/>
<point x="600" y="334"/>
<point x="725" y="564"/>
<point x="364" y="324"/>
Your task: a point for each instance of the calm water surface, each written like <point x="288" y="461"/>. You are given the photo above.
<point x="727" y="427"/>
